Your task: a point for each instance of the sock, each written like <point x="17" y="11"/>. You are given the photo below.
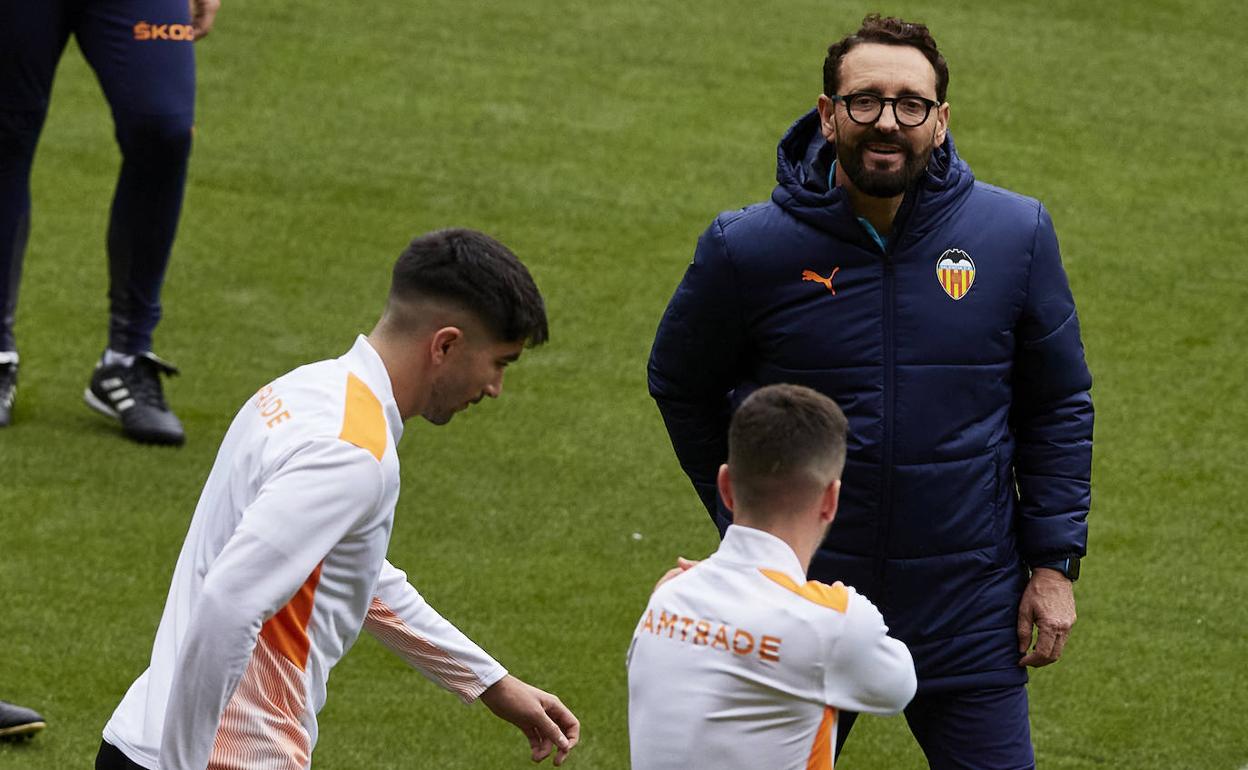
<point x="8" y="357"/>
<point x="112" y="357"/>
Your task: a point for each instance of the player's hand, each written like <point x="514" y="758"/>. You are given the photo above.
<point x="682" y="564"/>
<point x="203" y="14"/>
<point x="1048" y="605"/>
<point x="545" y="721"/>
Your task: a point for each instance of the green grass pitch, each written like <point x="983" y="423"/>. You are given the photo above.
<point x="598" y="140"/>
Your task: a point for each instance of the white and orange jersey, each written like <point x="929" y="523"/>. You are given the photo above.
<point x="283" y="564"/>
<point x="741" y="663"/>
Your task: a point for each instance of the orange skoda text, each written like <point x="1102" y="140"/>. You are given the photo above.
<point x="148" y="31"/>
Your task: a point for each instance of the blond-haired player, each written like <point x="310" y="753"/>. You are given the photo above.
<point x="738" y="661"/>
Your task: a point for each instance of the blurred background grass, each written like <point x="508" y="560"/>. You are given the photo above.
<point x="598" y="140"/>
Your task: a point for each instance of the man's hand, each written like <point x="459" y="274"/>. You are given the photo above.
<point x="682" y="564"/>
<point x="1049" y="605"/>
<point x="544" y="720"/>
<point x="203" y="14"/>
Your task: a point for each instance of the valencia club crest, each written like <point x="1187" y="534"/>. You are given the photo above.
<point x="956" y="272"/>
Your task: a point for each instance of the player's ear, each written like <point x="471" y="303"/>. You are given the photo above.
<point x="444" y="342"/>
<point x="827" y="124"/>
<point x="724" y="482"/>
<point x="942" y="123"/>
<point x="831" y="499"/>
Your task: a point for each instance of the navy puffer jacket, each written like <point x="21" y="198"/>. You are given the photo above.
<point x="954" y="352"/>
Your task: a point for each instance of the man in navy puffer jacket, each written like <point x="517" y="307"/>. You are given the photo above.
<point x="935" y="310"/>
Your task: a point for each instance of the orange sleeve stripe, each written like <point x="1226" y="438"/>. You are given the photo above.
<point x="287" y="631"/>
<point x="832" y="596"/>
<point x="821" y="749"/>
<point x="363" y="422"/>
<point x="395" y="633"/>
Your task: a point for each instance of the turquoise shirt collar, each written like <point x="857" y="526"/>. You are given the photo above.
<point x="870" y="228"/>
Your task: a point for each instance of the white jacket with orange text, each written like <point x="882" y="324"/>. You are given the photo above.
<point x="741" y="663"/>
<point x="283" y="564"/>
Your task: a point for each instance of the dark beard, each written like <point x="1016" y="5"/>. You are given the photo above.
<point x="882" y="184"/>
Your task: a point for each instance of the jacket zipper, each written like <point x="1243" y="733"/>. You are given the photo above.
<point x="886" y="452"/>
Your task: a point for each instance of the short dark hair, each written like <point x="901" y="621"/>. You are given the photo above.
<point x="476" y="272"/>
<point x="783" y="439"/>
<point x="890" y="31"/>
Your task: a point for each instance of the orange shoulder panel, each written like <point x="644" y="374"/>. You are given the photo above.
<point x="363" y="422"/>
<point x="832" y="596"/>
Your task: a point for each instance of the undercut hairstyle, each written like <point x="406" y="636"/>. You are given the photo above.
<point x="478" y="274"/>
<point x="888" y="30"/>
<point x="786" y="443"/>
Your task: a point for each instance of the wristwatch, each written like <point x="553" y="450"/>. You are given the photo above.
<point x="1067" y="565"/>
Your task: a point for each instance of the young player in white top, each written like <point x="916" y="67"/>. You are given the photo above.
<point x="285" y="562"/>
<point x="738" y="661"/>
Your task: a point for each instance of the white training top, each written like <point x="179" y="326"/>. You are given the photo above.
<point x="283" y="564"/>
<point x="741" y="663"/>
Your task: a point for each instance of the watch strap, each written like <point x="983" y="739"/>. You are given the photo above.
<point x="1067" y="565"/>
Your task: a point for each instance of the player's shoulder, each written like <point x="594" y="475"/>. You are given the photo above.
<point x="741" y="221"/>
<point x="810" y="616"/>
<point x="1002" y="204"/>
<point x="363" y="418"/>
<point x="728" y="234"/>
<point x="324" y="401"/>
<point x="823" y="605"/>
<point x="753" y="228"/>
<point x="819" y="596"/>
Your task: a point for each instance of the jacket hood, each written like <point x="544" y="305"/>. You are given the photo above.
<point x="804" y="158"/>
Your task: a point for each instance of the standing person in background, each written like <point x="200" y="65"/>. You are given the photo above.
<point x="285" y="560"/>
<point x="935" y="310"/>
<point x="141" y="51"/>
<point x="739" y="662"/>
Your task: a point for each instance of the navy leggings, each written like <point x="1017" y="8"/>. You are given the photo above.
<point x="141" y="52"/>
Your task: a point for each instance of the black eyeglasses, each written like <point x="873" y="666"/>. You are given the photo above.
<point x="865" y="109"/>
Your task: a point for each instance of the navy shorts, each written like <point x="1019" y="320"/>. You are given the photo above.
<point x="111" y="758"/>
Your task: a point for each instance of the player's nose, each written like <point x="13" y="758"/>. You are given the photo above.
<point x="887" y="122"/>
<point x="495" y="388"/>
